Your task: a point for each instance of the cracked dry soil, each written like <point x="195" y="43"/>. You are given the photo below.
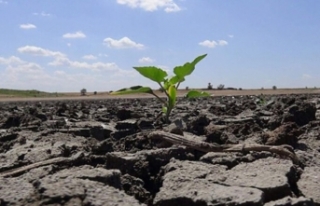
<point x="98" y="152"/>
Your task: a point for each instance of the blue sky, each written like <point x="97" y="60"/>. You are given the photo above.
<point x="59" y="45"/>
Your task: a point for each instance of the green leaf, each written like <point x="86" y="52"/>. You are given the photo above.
<point x="182" y="71"/>
<point x="172" y="95"/>
<point x="198" y="59"/>
<point x="153" y="73"/>
<point x="133" y="90"/>
<point x="194" y="94"/>
<point x="166" y="84"/>
<point x="175" y="79"/>
<point x="164" y="109"/>
<point x="188" y="67"/>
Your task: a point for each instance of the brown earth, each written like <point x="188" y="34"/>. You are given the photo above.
<point x="101" y="152"/>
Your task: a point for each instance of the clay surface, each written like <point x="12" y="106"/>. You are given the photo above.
<point x="98" y="152"/>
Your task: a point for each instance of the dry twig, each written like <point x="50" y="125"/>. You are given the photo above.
<point x="57" y="160"/>
<point x="283" y="150"/>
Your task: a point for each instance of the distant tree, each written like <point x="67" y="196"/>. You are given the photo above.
<point x="209" y="87"/>
<point x="240" y="88"/>
<point x="95" y="92"/>
<point x="187" y="88"/>
<point x="220" y="87"/>
<point x="262" y="88"/>
<point x="83" y="92"/>
<point x="274" y="87"/>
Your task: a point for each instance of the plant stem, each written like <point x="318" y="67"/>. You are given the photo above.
<point x="165" y="91"/>
<point x="169" y="109"/>
<point x="178" y="85"/>
<point x="161" y="100"/>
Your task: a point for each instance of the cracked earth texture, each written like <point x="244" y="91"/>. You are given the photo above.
<point x="97" y="152"/>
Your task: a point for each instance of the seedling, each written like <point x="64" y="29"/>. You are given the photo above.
<point x="262" y="100"/>
<point x="169" y="85"/>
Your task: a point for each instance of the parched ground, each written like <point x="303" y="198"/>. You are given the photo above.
<point x="101" y="152"/>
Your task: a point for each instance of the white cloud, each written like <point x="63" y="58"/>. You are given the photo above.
<point x="230" y="36"/>
<point x="151" y="5"/>
<point x="306" y="76"/>
<point x="11" y="60"/>
<point x="62" y="60"/>
<point x="207" y="43"/>
<point x="97" y="66"/>
<point x="15" y="64"/>
<point x="38" y="51"/>
<point x="67" y="81"/>
<point x="103" y="55"/>
<point x="16" y="70"/>
<point x="76" y="35"/>
<point x="3" y="2"/>
<point x="59" y="72"/>
<point x="26" y="67"/>
<point x="123" y="43"/>
<point x="20" y="74"/>
<point x="213" y="44"/>
<point x="41" y="14"/>
<point x="28" y="26"/>
<point x="69" y="44"/>
<point x="222" y="42"/>
<point x="125" y="73"/>
<point x="89" y="57"/>
<point x="146" y="60"/>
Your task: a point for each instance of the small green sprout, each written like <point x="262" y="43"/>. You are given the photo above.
<point x="169" y="85"/>
<point x="262" y="100"/>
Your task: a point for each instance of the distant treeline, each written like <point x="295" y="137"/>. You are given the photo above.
<point x="26" y="93"/>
